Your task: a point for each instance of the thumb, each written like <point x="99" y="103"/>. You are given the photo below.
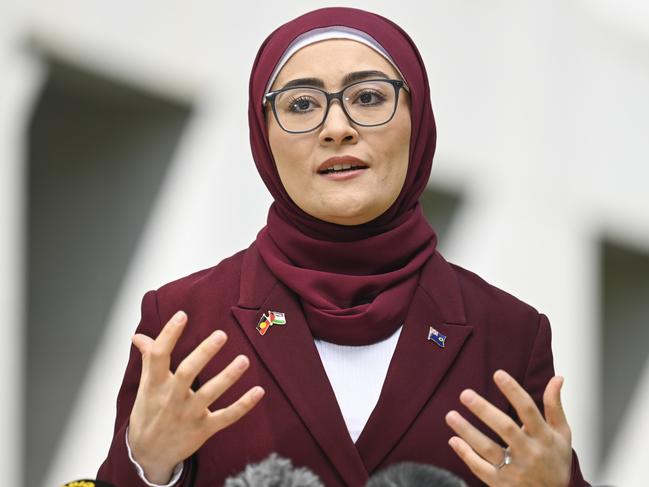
<point x="554" y="412"/>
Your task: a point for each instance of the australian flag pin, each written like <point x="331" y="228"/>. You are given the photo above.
<point x="269" y="319"/>
<point x="437" y="337"/>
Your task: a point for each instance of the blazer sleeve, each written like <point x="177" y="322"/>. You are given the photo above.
<point x="540" y="370"/>
<point x="118" y="469"/>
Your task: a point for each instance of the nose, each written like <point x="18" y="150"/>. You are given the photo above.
<point x="337" y="128"/>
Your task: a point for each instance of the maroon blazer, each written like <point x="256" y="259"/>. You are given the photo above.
<point x="299" y="417"/>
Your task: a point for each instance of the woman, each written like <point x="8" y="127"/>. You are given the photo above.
<point x="363" y="346"/>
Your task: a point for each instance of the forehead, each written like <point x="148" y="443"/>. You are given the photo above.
<point x="332" y="59"/>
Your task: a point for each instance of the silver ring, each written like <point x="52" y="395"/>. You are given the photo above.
<point x="507" y="459"/>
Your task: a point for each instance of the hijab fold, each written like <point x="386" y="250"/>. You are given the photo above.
<point x="355" y="283"/>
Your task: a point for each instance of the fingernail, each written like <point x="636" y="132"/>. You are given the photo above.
<point x="257" y="393"/>
<point x="452" y="441"/>
<point x="179" y="317"/>
<point x="218" y="337"/>
<point x="501" y="377"/>
<point x="242" y="362"/>
<point x="451" y="417"/>
<point x="468" y="396"/>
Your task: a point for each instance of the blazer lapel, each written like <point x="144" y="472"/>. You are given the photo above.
<point x="290" y="355"/>
<point x="418" y="365"/>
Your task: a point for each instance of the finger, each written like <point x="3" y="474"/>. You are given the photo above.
<point x="143" y="344"/>
<point x="225" y="417"/>
<point x="493" y="417"/>
<point x="217" y="385"/>
<point x="479" y="466"/>
<point x="478" y="441"/>
<point x="554" y="412"/>
<point x="191" y="365"/>
<point x="523" y="403"/>
<point x="160" y="353"/>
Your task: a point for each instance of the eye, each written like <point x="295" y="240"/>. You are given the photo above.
<point x="301" y="104"/>
<point x="369" y="97"/>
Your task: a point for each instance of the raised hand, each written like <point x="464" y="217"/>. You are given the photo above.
<point x="169" y="421"/>
<point x="538" y="454"/>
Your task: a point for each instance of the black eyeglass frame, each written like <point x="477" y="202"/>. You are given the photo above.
<point x="397" y="84"/>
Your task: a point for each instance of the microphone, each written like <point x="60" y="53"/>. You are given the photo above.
<point x="274" y="471"/>
<point x="87" y="483"/>
<point x="410" y="474"/>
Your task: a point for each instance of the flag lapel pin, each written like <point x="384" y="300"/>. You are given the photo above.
<point x="269" y="319"/>
<point x="276" y="318"/>
<point x="436" y="337"/>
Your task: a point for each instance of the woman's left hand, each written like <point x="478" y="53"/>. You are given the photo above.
<point x="539" y="452"/>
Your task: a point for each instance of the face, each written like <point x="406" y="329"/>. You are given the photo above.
<point x="304" y="161"/>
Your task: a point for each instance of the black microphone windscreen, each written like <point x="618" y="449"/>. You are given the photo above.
<point x="274" y="471"/>
<point x="410" y="474"/>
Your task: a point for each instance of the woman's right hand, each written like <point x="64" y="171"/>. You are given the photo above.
<point x="170" y="421"/>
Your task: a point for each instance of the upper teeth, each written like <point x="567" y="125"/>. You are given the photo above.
<point x="340" y="167"/>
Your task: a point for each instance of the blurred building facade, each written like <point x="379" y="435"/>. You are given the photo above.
<point x="124" y="164"/>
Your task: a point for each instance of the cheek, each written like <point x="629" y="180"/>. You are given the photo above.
<point x="398" y="162"/>
<point x="278" y="146"/>
<point x="397" y="146"/>
<point x="404" y="134"/>
<point x="291" y="157"/>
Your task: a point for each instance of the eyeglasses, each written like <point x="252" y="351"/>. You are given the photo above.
<point x="367" y="103"/>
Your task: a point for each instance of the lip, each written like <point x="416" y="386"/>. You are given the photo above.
<point x="333" y="161"/>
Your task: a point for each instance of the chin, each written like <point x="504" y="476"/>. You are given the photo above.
<point x="349" y="217"/>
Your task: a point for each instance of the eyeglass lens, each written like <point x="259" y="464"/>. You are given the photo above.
<point x="367" y="103"/>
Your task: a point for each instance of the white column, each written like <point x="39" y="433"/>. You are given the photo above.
<point x="20" y="81"/>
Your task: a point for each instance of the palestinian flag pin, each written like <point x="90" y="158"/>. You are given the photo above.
<point x="269" y="319"/>
<point x="437" y="337"/>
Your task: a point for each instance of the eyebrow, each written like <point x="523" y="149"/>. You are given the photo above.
<point x="347" y="79"/>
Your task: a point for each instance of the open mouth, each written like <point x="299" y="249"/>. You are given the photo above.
<point x="342" y="167"/>
<point x="339" y="168"/>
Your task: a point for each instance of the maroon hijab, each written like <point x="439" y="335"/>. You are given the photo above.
<point x="355" y="283"/>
